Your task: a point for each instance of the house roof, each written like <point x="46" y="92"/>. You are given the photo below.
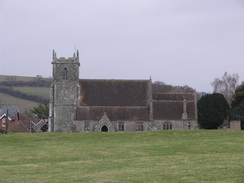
<point x="114" y="92"/>
<point x="12" y="111"/>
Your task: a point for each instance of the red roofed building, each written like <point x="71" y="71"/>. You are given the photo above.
<point x="9" y="117"/>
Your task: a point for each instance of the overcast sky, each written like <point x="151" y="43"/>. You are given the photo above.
<point x="179" y="42"/>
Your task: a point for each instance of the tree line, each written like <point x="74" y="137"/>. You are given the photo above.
<point x="16" y="93"/>
<point x="159" y="86"/>
<point x="34" y="83"/>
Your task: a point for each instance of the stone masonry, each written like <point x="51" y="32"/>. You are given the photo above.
<point x="65" y="91"/>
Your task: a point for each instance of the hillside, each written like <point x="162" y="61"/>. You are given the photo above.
<point x="186" y="156"/>
<point x="19" y="78"/>
<point x="31" y="92"/>
<point x="23" y="104"/>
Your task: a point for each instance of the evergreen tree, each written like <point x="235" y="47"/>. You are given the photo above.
<point x="41" y="111"/>
<point x="212" y="110"/>
<point x="237" y="106"/>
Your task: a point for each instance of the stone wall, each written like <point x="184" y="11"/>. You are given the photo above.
<point x="235" y="125"/>
<point x="131" y="126"/>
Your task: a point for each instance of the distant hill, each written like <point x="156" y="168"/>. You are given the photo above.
<point x="37" y="91"/>
<point x="29" y="89"/>
<point x="23" y="104"/>
<point x="37" y="81"/>
<point x="21" y="78"/>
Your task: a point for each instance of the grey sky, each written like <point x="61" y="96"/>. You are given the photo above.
<point x="179" y="42"/>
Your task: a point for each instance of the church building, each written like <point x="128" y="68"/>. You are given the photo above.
<point x="83" y="105"/>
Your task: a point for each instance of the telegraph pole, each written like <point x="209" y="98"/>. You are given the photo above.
<point x="30" y="126"/>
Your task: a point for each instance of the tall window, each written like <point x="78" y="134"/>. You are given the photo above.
<point x="167" y="126"/>
<point x="121" y="126"/>
<point x="4" y="122"/>
<point x="65" y="74"/>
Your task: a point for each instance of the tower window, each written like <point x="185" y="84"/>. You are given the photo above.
<point x="65" y="74"/>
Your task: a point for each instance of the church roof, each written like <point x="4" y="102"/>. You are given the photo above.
<point x="174" y="96"/>
<point x="169" y="106"/>
<point x="120" y="99"/>
<point x="130" y="100"/>
<point x="114" y="92"/>
<point x="172" y="110"/>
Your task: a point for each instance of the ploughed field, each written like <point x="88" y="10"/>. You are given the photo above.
<point x="155" y="156"/>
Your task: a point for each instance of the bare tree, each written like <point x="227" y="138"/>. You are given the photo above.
<point x="159" y="86"/>
<point x="226" y="85"/>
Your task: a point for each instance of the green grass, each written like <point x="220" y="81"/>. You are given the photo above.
<point x="38" y="91"/>
<point x="161" y="156"/>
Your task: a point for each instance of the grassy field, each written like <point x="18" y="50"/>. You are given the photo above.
<point x="38" y="91"/>
<point x="157" y="156"/>
<point x="23" y="104"/>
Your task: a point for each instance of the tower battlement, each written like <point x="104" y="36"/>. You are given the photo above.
<point x="73" y="59"/>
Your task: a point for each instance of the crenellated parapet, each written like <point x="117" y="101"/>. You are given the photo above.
<point x="63" y="60"/>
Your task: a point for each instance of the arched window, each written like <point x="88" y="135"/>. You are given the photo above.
<point x="167" y="126"/>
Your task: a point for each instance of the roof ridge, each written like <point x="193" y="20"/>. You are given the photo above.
<point x="128" y="80"/>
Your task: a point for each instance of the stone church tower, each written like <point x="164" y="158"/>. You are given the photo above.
<point x="64" y="94"/>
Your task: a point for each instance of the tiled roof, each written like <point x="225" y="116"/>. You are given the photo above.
<point x="170" y="105"/>
<point x="191" y="110"/>
<point x="173" y="96"/>
<point x="114" y="92"/>
<point x="12" y="111"/>
<point x="172" y="110"/>
<point x="167" y="110"/>
<point x="129" y="100"/>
